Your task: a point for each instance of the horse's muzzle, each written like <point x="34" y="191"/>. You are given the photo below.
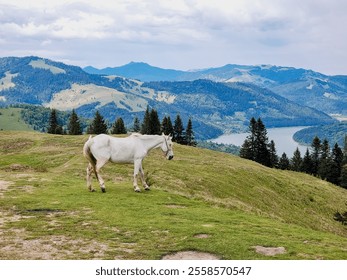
<point x="170" y="157"/>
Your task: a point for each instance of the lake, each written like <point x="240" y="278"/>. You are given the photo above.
<point x="282" y="136"/>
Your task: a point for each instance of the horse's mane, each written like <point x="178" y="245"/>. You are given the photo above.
<point x="143" y="136"/>
<point x="136" y="134"/>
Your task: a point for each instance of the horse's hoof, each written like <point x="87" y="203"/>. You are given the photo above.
<point x="147" y="189"/>
<point x="137" y="190"/>
<point x="92" y="190"/>
<point x="103" y="190"/>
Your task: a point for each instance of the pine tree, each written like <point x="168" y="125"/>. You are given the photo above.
<point x="343" y="178"/>
<point x="273" y="154"/>
<point x="59" y="130"/>
<point x="334" y="174"/>
<point x="154" y="123"/>
<point x="296" y="161"/>
<point x="315" y="156"/>
<point x="261" y="144"/>
<point x="145" y="127"/>
<point x="284" y="162"/>
<point x="307" y="165"/>
<point x="324" y="161"/>
<point x="74" y="125"/>
<point x="178" y="135"/>
<point x="166" y="126"/>
<point x="98" y="126"/>
<point x="344" y="161"/>
<point x="53" y="123"/>
<point x="256" y="146"/>
<point x="325" y="149"/>
<point x="54" y="127"/>
<point x="190" y="139"/>
<point x="136" y="127"/>
<point x="337" y="155"/>
<point x="119" y="127"/>
<point x="247" y="150"/>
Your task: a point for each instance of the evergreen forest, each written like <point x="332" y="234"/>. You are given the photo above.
<point x="321" y="160"/>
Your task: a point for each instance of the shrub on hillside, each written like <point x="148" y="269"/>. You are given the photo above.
<point x="341" y="217"/>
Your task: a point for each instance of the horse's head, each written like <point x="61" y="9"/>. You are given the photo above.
<point x="166" y="147"/>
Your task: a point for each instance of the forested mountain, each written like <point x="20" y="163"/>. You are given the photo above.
<point x="233" y="105"/>
<point x="139" y="71"/>
<point x="305" y="87"/>
<point x="214" y="107"/>
<point x="334" y="133"/>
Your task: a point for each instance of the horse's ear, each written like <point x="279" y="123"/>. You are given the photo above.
<point x="162" y="134"/>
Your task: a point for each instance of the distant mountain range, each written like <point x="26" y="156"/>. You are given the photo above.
<point x="305" y="87"/>
<point x="215" y="107"/>
<point x="334" y="133"/>
<point x="140" y="71"/>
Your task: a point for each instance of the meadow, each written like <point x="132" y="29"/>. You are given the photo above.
<point x="201" y="201"/>
<point x="10" y="119"/>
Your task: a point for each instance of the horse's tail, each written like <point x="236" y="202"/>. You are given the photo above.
<point x="88" y="153"/>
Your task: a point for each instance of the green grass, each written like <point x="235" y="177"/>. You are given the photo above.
<point x="237" y="203"/>
<point x="10" y="119"/>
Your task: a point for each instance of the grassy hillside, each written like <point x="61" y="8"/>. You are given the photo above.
<point x="202" y="200"/>
<point x="10" y="119"/>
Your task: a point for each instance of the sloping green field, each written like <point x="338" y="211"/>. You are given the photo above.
<point x="200" y="201"/>
<point x="10" y="119"/>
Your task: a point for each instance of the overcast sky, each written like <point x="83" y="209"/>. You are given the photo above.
<point x="179" y="34"/>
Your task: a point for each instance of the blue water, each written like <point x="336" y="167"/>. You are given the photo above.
<point x="283" y="138"/>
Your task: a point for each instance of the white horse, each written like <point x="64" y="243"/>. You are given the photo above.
<point x="132" y="149"/>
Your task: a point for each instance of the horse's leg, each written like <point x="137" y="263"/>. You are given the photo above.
<point x="142" y="174"/>
<point x="100" y="163"/>
<point x="137" y="165"/>
<point x="89" y="177"/>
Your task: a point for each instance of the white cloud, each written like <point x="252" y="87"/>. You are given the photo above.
<point x="179" y="33"/>
<point x="83" y="26"/>
<point x="54" y="22"/>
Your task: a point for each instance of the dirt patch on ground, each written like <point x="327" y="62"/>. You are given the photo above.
<point x="190" y="255"/>
<point x="18" y="243"/>
<point x="270" y="251"/>
<point x="175" y="206"/>
<point x="16" y="145"/>
<point x="202" y="235"/>
<point x="4" y="185"/>
<point x="54" y="247"/>
<point x="16" y="167"/>
<point x="26" y="188"/>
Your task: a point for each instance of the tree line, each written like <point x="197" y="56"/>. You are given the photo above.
<point x="320" y="160"/>
<point x="150" y="125"/>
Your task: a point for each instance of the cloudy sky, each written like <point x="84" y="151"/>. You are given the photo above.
<point x="179" y="34"/>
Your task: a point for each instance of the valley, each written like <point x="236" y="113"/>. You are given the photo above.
<point x="218" y="100"/>
<point x="48" y="213"/>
